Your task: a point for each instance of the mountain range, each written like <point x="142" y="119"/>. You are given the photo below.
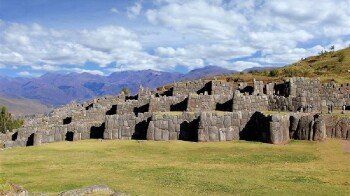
<point x="54" y="89"/>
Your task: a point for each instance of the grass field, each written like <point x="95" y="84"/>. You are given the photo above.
<point x="181" y="168"/>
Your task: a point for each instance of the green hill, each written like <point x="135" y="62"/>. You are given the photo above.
<point x="327" y="66"/>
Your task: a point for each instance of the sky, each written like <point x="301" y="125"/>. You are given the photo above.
<point x="101" y="37"/>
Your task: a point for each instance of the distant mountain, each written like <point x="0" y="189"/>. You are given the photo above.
<point x="23" y="106"/>
<point x="207" y="71"/>
<point x="259" y="69"/>
<point x="59" y="89"/>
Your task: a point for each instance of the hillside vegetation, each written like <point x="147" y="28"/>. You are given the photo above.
<point x="181" y="168"/>
<point x="8" y="122"/>
<point x="327" y="66"/>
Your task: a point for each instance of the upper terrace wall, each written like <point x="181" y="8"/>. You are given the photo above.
<point x="166" y="104"/>
<point x="338" y="95"/>
<point x="196" y="86"/>
<point x="250" y="102"/>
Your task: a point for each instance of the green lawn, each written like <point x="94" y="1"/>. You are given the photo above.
<point x="181" y="168"/>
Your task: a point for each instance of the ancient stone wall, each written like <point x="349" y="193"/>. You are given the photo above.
<point x="220" y="87"/>
<point x="336" y="95"/>
<point x="337" y="126"/>
<point x="178" y="126"/>
<point x="196" y="86"/>
<point x="198" y="110"/>
<point x="127" y="126"/>
<point x="258" y="87"/>
<point x="165" y="104"/>
<point x="307" y="127"/>
<point x="250" y="102"/>
<point x="222" y="126"/>
<point x="197" y="103"/>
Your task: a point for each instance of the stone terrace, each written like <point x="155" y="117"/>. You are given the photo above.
<point x="199" y="111"/>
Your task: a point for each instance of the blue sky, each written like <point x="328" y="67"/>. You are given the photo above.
<point x="100" y="37"/>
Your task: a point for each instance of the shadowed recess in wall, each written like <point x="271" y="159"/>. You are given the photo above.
<point x="89" y="106"/>
<point x="247" y="89"/>
<point x="256" y="129"/>
<point x="69" y="136"/>
<point x="112" y="111"/>
<point x="207" y="88"/>
<point x="67" y="120"/>
<point x="167" y="93"/>
<point x="141" y="109"/>
<point x="141" y="130"/>
<point x="97" y="132"/>
<point x="189" y="130"/>
<point x="226" y="106"/>
<point x="135" y="97"/>
<point x="14" y="136"/>
<point x="30" y="141"/>
<point x="282" y="89"/>
<point x="180" y="107"/>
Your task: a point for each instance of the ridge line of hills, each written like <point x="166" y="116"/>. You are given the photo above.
<point x="55" y="89"/>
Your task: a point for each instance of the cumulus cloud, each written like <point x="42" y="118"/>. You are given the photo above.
<point x="272" y="28"/>
<point x="200" y="17"/>
<point x="134" y="11"/>
<point x="47" y="49"/>
<point x="195" y="33"/>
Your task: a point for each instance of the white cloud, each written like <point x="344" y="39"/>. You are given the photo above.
<point x="47" y="49"/>
<point x="78" y="70"/>
<point x="195" y="33"/>
<point x="242" y="65"/>
<point x="203" y="18"/>
<point x="275" y="28"/>
<point x="114" y="10"/>
<point x="134" y="11"/>
<point x="24" y="73"/>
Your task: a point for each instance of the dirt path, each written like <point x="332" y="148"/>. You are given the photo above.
<point x="346" y="145"/>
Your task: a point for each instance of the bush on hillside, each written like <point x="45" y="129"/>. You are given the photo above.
<point x="273" y="73"/>
<point x="7" y="122"/>
<point x="341" y="57"/>
<point x="126" y="91"/>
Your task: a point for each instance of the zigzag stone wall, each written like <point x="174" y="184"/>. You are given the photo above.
<point x="200" y="110"/>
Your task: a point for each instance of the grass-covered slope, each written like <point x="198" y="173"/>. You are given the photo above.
<point x="182" y="168"/>
<point x="23" y="106"/>
<point x="327" y="66"/>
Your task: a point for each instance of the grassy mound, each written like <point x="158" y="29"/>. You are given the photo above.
<point x="181" y="168"/>
<point x="326" y="66"/>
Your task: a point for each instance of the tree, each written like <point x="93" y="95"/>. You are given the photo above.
<point x="126" y="91"/>
<point x="273" y="73"/>
<point x="7" y="122"/>
<point x="332" y="48"/>
<point x="341" y="57"/>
